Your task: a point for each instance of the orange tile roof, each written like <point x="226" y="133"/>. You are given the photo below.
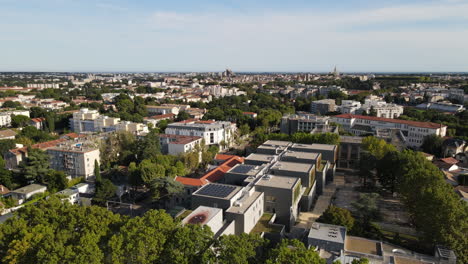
<point x="223" y="156"/>
<point x="390" y="120"/>
<point x="450" y="160"/>
<point x="213" y="175"/>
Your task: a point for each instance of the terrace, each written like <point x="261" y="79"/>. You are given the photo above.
<point x="264" y="226"/>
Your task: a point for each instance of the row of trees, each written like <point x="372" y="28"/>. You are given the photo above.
<point x="435" y="209"/>
<point x="55" y="232"/>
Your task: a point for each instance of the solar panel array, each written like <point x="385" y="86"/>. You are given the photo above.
<point x="242" y="168"/>
<point x="216" y="190"/>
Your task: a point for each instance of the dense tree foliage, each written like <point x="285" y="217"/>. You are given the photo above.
<point x="337" y="216"/>
<point x="53" y="231"/>
<point x="435" y="209"/>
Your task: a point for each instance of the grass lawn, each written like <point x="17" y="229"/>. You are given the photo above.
<point x="263" y="226"/>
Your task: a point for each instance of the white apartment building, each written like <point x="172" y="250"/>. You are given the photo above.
<point x="176" y="144"/>
<point x="350" y="107"/>
<point x="411" y="132"/>
<point x="213" y="132"/>
<point x="87" y="120"/>
<point x="166" y="109"/>
<point x="5" y="117"/>
<point x="75" y="159"/>
<point x="381" y="107"/>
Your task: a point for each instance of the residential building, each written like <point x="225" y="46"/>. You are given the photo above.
<point x="26" y="192"/>
<point x="154" y="120"/>
<point x="349" y="151"/>
<point x="350" y="107"/>
<point x="90" y="121"/>
<point x="7" y="134"/>
<point x="305" y="122"/>
<point x="5" y="116"/>
<point x="321" y="107"/>
<point x="38" y="123"/>
<point x="412" y="133"/>
<point x="75" y="159"/>
<point x="381" y="108"/>
<point x="177" y="144"/>
<point x="213" y="132"/>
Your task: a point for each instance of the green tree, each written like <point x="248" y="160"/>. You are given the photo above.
<point x="389" y="170"/>
<point x="337" y="216"/>
<point x="6" y="145"/>
<point x="294" y="251"/>
<point x="97" y="171"/>
<point x="105" y="190"/>
<point x="182" y="116"/>
<point x="189" y="244"/>
<point x="377" y="147"/>
<point x="142" y="239"/>
<point x="11" y="104"/>
<point x="150" y="171"/>
<point x="432" y="144"/>
<point x="360" y="261"/>
<point x="19" y="120"/>
<point x="56" y="181"/>
<point x="241" y="249"/>
<point x="165" y="187"/>
<point x="244" y="129"/>
<point x="35" y="167"/>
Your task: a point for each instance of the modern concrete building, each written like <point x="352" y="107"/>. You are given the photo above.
<point x="321" y="107"/>
<point x="204" y="215"/>
<point x="412" y="133"/>
<point x="327" y="237"/>
<point x="442" y="107"/>
<point x="213" y="132"/>
<point x="75" y="159"/>
<point x="305" y="122"/>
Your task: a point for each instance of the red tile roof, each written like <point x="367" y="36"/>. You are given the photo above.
<point x="213" y="175"/>
<point x="223" y="156"/>
<point x="450" y="160"/>
<point x="46" y="145"/>
<point x="3" y="190"/>
<point x="38" y="119"/>
<point x="390" y="120"/>
<point x="179" y="139"/>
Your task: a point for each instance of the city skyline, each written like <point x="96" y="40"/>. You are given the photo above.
<point x="265" y="36"/>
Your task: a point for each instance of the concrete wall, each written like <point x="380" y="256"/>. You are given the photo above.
<point x="246" y="221"/>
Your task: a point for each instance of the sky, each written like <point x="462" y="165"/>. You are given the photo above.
<point x="243" y="35"/>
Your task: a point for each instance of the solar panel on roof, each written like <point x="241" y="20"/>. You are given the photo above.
<point x="216" y="190"/>
<point x="242" y="168"/>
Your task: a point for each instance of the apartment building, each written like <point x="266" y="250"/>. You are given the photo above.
<point x="177" y="144"/>
<point x="90" y="121"/>
<point x="350" y="107"/>
<point x="75" y="159"/>
<point x="87" y="120"/>
<point x="381" y="108"/>
<point x="321" y="107"/>
<point x="213" y="132"/>
<point x="305" y="122"/>
<point x="412" y="133"/>
<point x="5" y="116"/>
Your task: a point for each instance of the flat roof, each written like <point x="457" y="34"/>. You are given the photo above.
<point x="260" y="157"/>
<point x="276" y="143"/>
<point x="362" y="245"/>
<point x="223" y="191"/>
<point x="302" y="155"/>
<point x="246" y="169"/>
<point x="328" y="232"/>
<point x="323" y="147"/>
<point x="405" y="260"/>
<point x="202" y="215"/>
<point x="292" y="166"/>
<point x="246" y="202"/>
<point x="283" y="182"/>
<point x="29" y="188"/>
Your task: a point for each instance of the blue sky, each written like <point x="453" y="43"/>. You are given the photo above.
<point x="205" y="35"/>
